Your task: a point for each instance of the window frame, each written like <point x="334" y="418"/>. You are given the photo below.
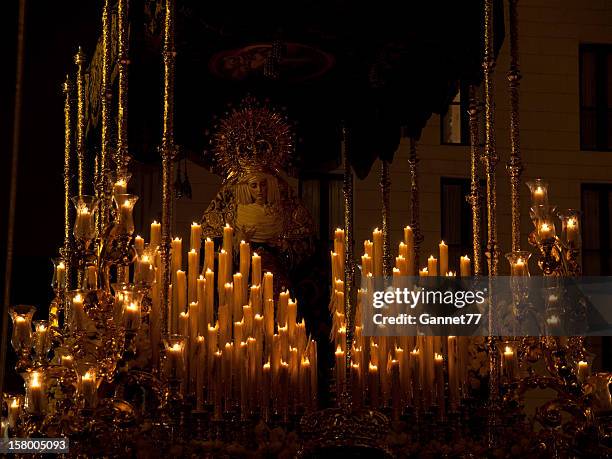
<point x="602" y="110"/>
<point x="464" y="102"/>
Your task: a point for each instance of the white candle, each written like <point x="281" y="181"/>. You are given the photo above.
<point x="155" y="234"/>
<point x="443" y="258"/>
<point x="196" y="237"/>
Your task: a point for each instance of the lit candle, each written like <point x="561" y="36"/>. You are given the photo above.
<point x="245" y="262"/>
<point x="283" y="302"/>
<point x="203" y="319"/>
<point x="66" y="361"/>
<point x="209" y="304"/>
<point x="378" y="252"/>
<point x="373" y="385"/>
<point x="439" y="382"/>
<point x="255" y="299"/>
<point x="84" y="224"/>
<point x="195" y="239"/>
<point x="396" y="400"/>
<point x="509" y="363"/>
<point x="571" y="231"/>
<point x="546" y="230"/>
<point x="14" y="411"/>
<point x="78" y="313"/>
<point x="193" y="262"/>
<point x="209" y="255"/>
<point x="416" y="372"/>
<point x="255" y="269"/>
<point x="155" y="234"/>
<point x="228" y="236"/>
<point x="35" y="393"/>
<point x="120" y="187"/>
<point x="238" y="296"/>
<point x="268" y="286"/>
<point x="583" y="371"/>
<point x="443" y="258"/>
<point x="402" y="265"/>
<point x="175" y="362"/>
<point x="139" y="244"/>
<point x="265" y="396"/>
<point x="518" y="268"/>
<point x="409" y="241"/>
<point x="423" y="272"/>
<point x="131" y="317"/>
<point x="340" y="371"/>
<point x="538" y="197"/>
<point x="60" y="275"/>
<point x="89" y="389"/>
<point x="465" y="269"/>
<point x="177" y="254"/>
<point x="224" y="269"/>
<point x="366" y="264"/>
<point x="432" y="266"/>
<point x="181" y="290"/>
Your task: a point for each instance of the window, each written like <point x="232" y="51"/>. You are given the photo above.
<point x="322" y="196"/>
<point x="597" y="243"/>
<point x="454" y="124"/>
<point x="596" y="97"/>
<point x="456" y="223"/>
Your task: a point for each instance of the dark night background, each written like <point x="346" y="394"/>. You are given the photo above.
<point x="52" y="32"/>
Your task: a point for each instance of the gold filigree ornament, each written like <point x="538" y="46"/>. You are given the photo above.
<point x="252" y="138"/>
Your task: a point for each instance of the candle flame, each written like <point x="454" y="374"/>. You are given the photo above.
<point x="126" y="204"/>
<point x="539" y="190"/>
<point x="15" y="403"/>
<point x="87" y="376"/>
<point x="132" y="307"/>
<point x="438" y="357"/>
<point x="145" y="258"/>
<point x="20" y="319"/>
<point x="61" y="265"/>
<point x="508" y="350"/>
<point x="571" y="223"/>
<point x="35" y="381"/>
<point x="41" y="328"/>
<point x="176" y="347"/>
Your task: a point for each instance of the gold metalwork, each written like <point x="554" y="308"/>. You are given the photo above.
<point x="103" y="187"/>
<point x="385" y="189"/>
<point x="349" y="266"/>
<point x="474" y="197"/>
<point x="67" y="251"/>
<point x="168" y="153"/>
<point x="79" y="60"/>
<point x="252" y="138"/>
<point x="413" y="164"/>
<point x="490" y="155"/>
<point x="490" y="161"/>
<point x="515" y="166"/>
<point x="122" y="155"/>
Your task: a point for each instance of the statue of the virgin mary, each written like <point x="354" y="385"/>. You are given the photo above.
<point x="252" y="147"/>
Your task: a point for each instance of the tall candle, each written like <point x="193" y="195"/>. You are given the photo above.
<point x="228" y="236"/>
<point x="89" y="389"/>
<point x="465" y="269"/>
<point x="203" y="319"/>
<point x="139" y="244"/>
<point x="131" y="316"/>
<point x="283" y="303"/>
<point x="78" y="313"/>
<point x="245" y="262"/>
<point x="268" y="286"/>
<point x="583" y="371"/>
<point x="181" y="290"/>
<point x="373" y="385"/>
<point x="60" y="275"/>
<point x="35" y="392"/>
<point x="571" y="231"/>
<point x="255" y="269"/>
<point x="265" y="395"/>
<point x="209" y="255"/>
<point x="453" y="375"/>
<point x="432" y="266"/>
<point x="223" y="271"/>
<point x="378" y="252"/>
<point x="409" y="241"/>
<point x="14" y="411"/>
<point x="209" y="304"/>
<point x="155" y="234"/>
<point x="200" y="368"/>
<point x="177" y="254"/>
<point x="255" y="299"/>
<point x="238" y="296"/>
<point x="443" y="258"/>
<point x="92" y="277"/>
<point x="195" y="239"/>
<point x="396" y="399"/>
<point x="340" y="371"/>
<point x="509" y="363"/>
<point x="439" y="382"/>
<point x="193" y="262"/>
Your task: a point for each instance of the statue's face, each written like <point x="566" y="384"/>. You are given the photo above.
<point x="258" y="187"/>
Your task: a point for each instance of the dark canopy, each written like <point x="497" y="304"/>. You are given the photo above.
<point x="376" y="66"/>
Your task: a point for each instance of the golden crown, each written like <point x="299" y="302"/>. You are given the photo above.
<point x="252" y="137"/>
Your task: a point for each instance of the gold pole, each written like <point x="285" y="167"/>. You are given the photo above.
<point x="67" y="251"/>
<point x="349" y="266"/>
<point x="103" y="185"/>
<point x="490" y="161"/>
<point x="79" y="60"/>
<point x="10" y="227"/>
<point x="515" y="166"/>
<point x="474" y="197"/>
<point x="168" y="152"/>
<point x="413" y="164"/>
<point x="122" y="159"/>
<point x="490" y="154"/>
<point x="385" y="188"/>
